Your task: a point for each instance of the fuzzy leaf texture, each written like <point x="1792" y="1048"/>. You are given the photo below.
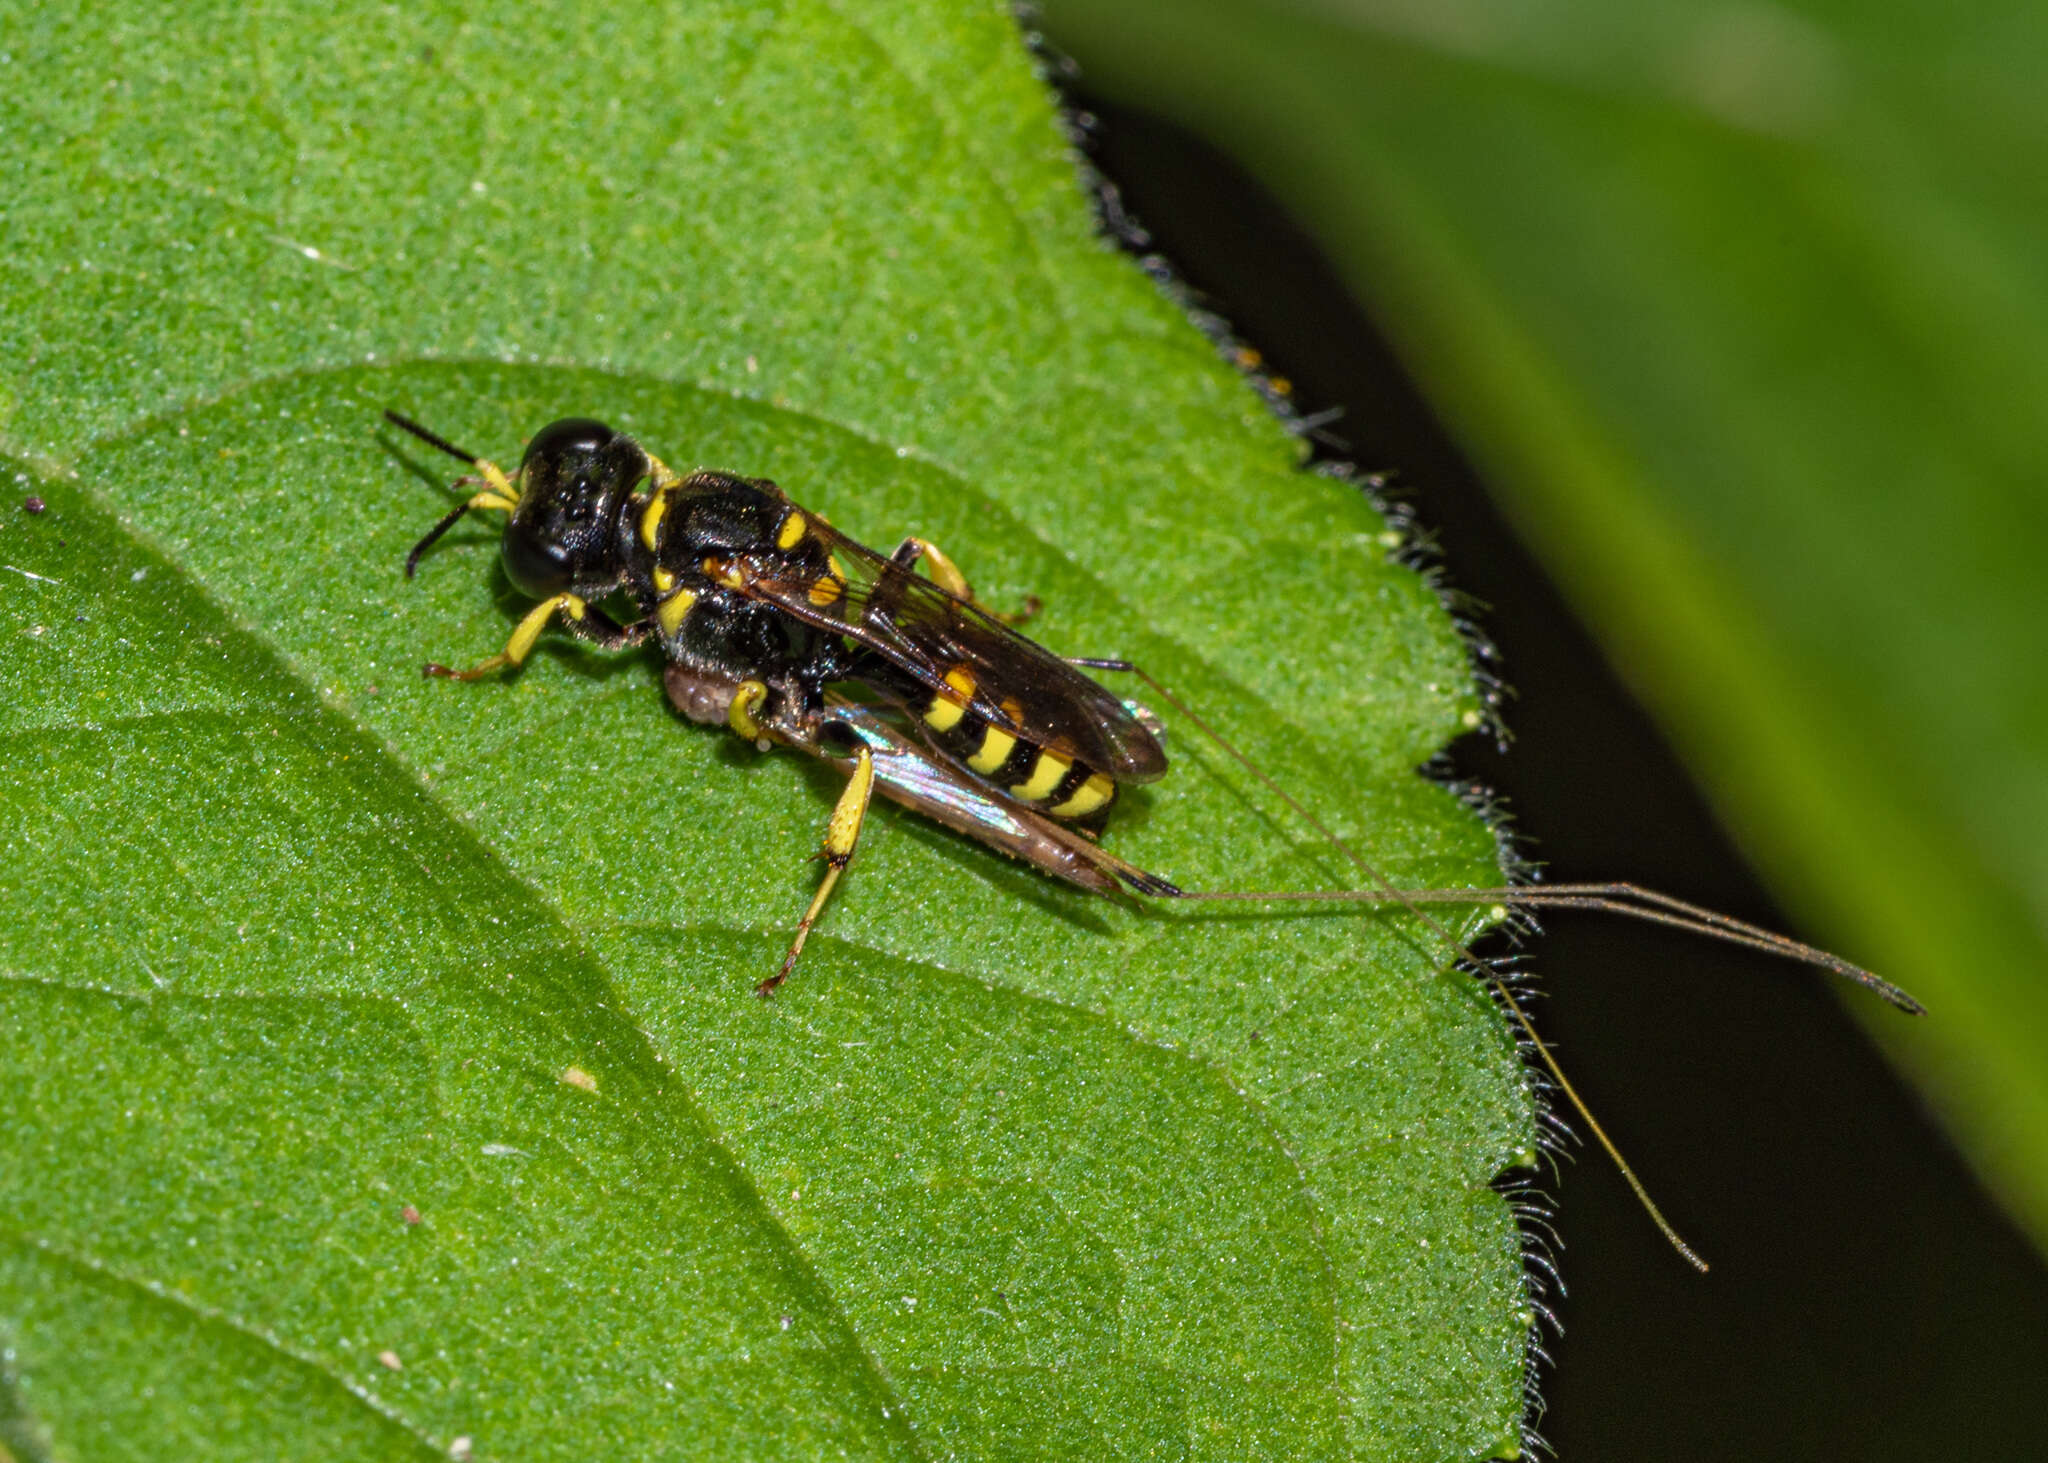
<point x="385" y="1075"/>
<point x="1741" y="308"/>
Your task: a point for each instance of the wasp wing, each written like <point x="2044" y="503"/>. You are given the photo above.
<point x="939" y="640"/>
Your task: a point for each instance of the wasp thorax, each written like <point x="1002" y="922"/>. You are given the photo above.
<point x="573" y="481"/>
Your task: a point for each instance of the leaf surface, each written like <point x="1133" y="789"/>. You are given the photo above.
<point x="1742" y="309"/>
<point x="387" y="1049"/>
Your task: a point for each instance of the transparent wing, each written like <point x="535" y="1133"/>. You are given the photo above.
<point x="943" y="642"/>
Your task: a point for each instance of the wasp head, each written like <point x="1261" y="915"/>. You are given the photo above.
<point x="573" y="481"/>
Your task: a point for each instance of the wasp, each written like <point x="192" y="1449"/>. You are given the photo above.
<point x="778" y="626"/>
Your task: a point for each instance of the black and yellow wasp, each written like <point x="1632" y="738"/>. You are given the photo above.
<point x="777" y="625"/>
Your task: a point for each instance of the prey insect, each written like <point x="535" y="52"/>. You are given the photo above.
<point x="781" y="628"/>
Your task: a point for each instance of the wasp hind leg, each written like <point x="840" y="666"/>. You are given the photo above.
<point x="946" y="574"/>
<point x="842" y="832"/>
<point x="584" y="622"/>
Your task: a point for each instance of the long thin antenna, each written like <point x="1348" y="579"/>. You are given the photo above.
<point x="499" y="492"/>
<point x="448" y="521"/>
<point x="1628" y="899"/>
<point x="432" y="439"/>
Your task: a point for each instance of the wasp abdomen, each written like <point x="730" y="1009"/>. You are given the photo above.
<point x="1047" y="777"/>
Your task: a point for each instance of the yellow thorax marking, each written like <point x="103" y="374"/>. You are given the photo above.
<point x="1045" y="776"/>
<point x="793" y="530"/>
<point x="724" y="571"/>
<point x="664" y="581"/>
<point x="1090" y="795"/>
<point x="670" y="611"/>
<point x="650" y="519"/>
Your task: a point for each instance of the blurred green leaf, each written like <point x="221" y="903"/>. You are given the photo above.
<point x="1745" y="308"/>
<point x="383" y="1058"/>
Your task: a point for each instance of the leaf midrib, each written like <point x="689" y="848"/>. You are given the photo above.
<point x="897" y="1416"/>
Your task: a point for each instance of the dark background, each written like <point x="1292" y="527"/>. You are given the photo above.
<point x="1867" y="1299"/>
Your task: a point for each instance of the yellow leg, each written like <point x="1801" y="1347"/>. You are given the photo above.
<point x="939" y="564"/>
<point x="841" y="834"/>
<point x="946" y="574"/>
<point x="522" y="642"/>
<point x="742" y="715"/>
<point x="496" y="485"/>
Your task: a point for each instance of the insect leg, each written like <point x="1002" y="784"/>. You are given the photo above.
<point x="523" y="638"/>
<point x="743" y="713"/>
<point x="946" y="574"/>
<point x="601" y="630"/>
<point x="499" y="492"/>
<point x="842" y="832"/>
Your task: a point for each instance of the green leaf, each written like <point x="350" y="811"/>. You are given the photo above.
<point x="384" y="1064"/>
<point x="1743" y="309"/>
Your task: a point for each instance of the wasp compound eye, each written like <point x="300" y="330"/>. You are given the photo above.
<point x="538" y="564"/>
<point x="573" y="482"/>
<point x="560" y="445"/>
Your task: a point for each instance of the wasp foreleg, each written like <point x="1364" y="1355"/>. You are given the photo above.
<point x="584" y="622"/>
<point x="499" y="491"/>
<point x="842" y="832"/>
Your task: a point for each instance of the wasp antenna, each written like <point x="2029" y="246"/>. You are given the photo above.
<point x="432" y="439"/>
<point x="1385" y="892"/>
<point x="1655" y="907"/>
<point x="448" y="521"/>
<point x="1649" y="905"/>
<point x="1631" y="900"/>
<point x="1564" y="1084"/>
<point x="499" y="491"/>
